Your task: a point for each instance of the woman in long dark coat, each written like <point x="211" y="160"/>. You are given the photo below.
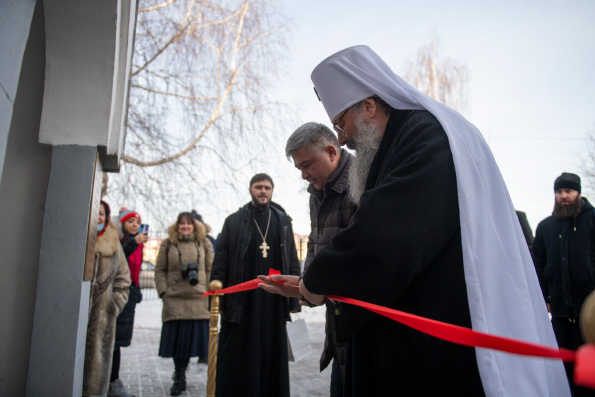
<point x="132" y="245"/>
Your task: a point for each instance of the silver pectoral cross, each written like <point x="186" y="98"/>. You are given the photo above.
<point x="264" y="247"/>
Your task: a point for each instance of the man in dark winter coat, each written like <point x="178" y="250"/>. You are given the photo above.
<point x="315" y="151"/>
<point x="420" y="242"/>
<point x="199" y="218"/>
<point x="527" y="232"/>
<point x="252" y="357"/>
<point x="560" y="254"/>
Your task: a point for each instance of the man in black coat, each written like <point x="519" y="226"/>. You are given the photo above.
<point x="316" y="153"/>
<point x="560" y="254"/>
<point x="527" y="232"/>
<point x="252" y="357"/>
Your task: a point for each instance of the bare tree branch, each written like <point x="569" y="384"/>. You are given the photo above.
<point x="167" y="3"/>
<point x="440" y="78"/>
<point x="587" y="162"/>
<point x="198" y="120"/>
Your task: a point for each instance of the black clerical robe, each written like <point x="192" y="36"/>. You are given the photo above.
<point x="252" y="357"/>
<point x="402" y="250"/>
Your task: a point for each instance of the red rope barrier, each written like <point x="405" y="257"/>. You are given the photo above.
<point x="461" y="335"/>
<point x="585" y="364"/>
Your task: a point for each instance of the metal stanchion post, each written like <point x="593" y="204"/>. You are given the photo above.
<point x="215" y="285"/>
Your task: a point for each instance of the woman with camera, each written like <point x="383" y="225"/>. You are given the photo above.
<point x="132" y="240"/>
<point x="182" y="274"/>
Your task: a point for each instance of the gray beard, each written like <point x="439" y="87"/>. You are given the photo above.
<point x="365" y="142"/>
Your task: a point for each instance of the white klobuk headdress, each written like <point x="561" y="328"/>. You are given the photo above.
<point x="504" y="294"/>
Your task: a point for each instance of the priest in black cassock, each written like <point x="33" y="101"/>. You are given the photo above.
<point x="252" y="357"/>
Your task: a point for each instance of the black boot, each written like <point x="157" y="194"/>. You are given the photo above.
<point x="179" y="378"/>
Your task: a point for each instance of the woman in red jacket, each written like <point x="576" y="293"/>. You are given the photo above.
<point x="132" y="243"/>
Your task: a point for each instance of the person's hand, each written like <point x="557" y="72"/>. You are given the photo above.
<point x="142" y="237"/>
<point x="273" y="285"/>
<point x="549" y="309"/>
<point x="314" y="299"/>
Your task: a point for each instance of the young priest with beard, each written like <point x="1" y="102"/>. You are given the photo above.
<point x="560" y="255"/>
<point x="252" y="354"/>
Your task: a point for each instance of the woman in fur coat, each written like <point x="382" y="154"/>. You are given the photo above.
<point x="109" y="294"/>
<point x="185" y="315"/>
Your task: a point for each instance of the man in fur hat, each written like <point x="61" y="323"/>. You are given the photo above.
<point x="560" y="254"/>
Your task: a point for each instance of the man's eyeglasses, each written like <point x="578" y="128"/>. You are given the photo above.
<point x="339" y="130"/>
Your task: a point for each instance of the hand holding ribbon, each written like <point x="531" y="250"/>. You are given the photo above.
<point x="245" y="286"/>
<point x="280" y="285"/>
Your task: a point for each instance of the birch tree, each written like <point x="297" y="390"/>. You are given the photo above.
<point x="199" y="119"/>
<point x="587" y="162"/>
<point x="441" y="78"/>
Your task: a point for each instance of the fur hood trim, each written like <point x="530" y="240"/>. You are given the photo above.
<point x="108" y="242"/>
<point x="118" y="225"/>
<point x="199" y="231"/>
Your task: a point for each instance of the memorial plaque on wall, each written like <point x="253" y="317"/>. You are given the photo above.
<point x="93" y="220"/>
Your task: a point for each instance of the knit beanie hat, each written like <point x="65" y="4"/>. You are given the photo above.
<point x="568" y="181"/>
<point x="125" y="213"/>
<point x="197" y="216"/>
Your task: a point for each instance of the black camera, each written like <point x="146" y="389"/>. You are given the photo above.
<point x="191" y="273"/>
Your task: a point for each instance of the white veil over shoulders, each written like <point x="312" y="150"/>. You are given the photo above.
<point x="504" y="294"/>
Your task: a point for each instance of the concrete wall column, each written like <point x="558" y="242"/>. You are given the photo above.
<point x="23" y="188"/>
<point x="15" y="19"/>
<point x="56" y="360"/>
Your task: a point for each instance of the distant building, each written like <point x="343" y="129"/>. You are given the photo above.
<point x="151" y="249"/>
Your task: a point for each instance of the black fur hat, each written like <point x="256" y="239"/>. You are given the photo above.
<point x="568" y="181"/>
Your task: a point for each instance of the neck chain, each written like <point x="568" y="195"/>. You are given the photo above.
<point x="264" y="247"/>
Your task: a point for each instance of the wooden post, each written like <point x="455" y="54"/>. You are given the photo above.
<point x="215" y="285"/>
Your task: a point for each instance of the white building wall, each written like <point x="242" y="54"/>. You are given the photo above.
<point x="88" y="63"/>
<point x="64" y="78"/>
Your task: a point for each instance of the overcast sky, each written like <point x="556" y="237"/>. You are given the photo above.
<point x="531" y="82"/>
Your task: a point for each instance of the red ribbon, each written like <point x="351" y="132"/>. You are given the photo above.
<point x="584" y="371"/>
<point x="462" y="335"/>
<point x="245" y="286"/>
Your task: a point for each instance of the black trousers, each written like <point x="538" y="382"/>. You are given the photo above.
<point x="115" y="365"/>
<point x="336" y="380"/>
<point x="568" y="334"/>
<point x="180" y="364"/>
